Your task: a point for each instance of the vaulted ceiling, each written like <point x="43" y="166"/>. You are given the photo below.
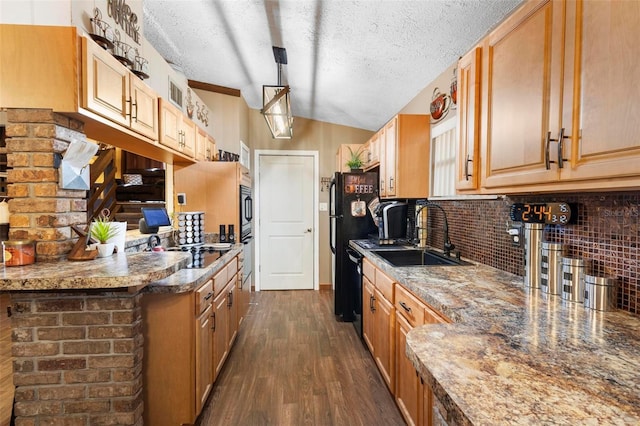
<point x="355" y="63"/>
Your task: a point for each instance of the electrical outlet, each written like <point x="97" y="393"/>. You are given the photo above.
<point x="182" y="198"/>
<point x="516" y="235"/>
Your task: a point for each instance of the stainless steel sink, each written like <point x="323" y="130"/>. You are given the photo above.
<point x="416" y="257"/>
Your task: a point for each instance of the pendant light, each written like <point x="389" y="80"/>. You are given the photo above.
<point x="276" y="103"/>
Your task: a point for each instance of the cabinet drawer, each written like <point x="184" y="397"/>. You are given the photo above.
<point x="232" y="268"/>
<point x="385" y="285"/>
<point x="203" y="296"/>
<point x="431" y="316"/>
<point x="220" y="280"/>
<point x="368" y="270"/>
<point x="409" y="306"/>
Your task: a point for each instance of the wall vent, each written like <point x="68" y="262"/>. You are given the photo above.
<point x="175" y="93"/>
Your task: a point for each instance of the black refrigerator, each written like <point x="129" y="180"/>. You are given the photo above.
<point x="350" y="219"/>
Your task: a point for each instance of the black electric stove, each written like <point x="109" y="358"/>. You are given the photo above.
<point x="203" y="255"/>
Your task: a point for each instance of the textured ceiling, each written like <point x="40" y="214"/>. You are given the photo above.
<point x="355" y="63"/>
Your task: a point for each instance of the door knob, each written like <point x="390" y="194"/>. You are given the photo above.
<point x="308" y="230"/>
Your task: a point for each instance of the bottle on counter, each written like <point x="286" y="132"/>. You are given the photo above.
<point x="231" y="236"/>
<point x="223" y="234"/>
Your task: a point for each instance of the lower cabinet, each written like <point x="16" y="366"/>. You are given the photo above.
<point x="378" y="319"/>
<point x="187" y="338"/>
<point x="389" y="312"/>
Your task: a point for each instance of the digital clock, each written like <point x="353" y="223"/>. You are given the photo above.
<point x="550" y="213"/>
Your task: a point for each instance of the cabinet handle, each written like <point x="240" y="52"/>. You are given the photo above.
<point x="391" y="183"/>
<point x="213" y="326"/>
<point x="128" y="110"/>
<point x="372" y="305"/>
<point x="467" y="175"/>
<point x="230" y="300"/>
<point x="405" y="307"/>
<point x="561" y="138"/>
<point x="547" y="162"/>
<point x="134" y="117"/>
<point x="208" y="296"/>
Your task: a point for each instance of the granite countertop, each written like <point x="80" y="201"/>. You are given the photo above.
<point x="121" y="270"/>
<point x="518" y="356"/>
<point x="155" y="272"/>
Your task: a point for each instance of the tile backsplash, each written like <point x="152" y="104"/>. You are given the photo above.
<point x="606" y="235"/>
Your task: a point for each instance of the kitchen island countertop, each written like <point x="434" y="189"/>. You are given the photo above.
<point x="518" y="356"/>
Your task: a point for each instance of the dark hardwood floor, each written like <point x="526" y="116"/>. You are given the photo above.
<point x="294" y="364"/>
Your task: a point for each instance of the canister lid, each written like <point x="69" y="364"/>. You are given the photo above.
<point x="548" y="245"/>
<point x="604" y="281"/>
<point x="16" y="243"/>
<point x="573" y="261"/>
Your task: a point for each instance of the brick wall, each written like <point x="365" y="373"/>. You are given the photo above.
<point x="40" y="210"/>
<point x="77" y="358"/>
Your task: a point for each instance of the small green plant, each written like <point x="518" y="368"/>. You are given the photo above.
<point x="354" y="162"/>
<point x="102" y="230"/>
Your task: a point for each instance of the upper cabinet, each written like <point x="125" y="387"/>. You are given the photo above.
<point x="177" y="131"/>
<point x="404" y="157"/>
<point x="114" y="92"/>
<point x="559" y="98"/>
<point x="468" y="168"/>
<point x="521" y="95"/>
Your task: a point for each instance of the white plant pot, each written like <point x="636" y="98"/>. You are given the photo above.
<point x="105" y="250"/>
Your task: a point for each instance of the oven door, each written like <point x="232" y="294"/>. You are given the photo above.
<point x="246" y="213"/>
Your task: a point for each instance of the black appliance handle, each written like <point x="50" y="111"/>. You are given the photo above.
<point x="354" y="256"/>
<point x="248" y="208"/>
<point x="331" y="217"/>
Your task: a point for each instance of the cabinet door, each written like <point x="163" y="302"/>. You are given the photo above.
<point x="390" y="152"/>
<point x="220" y="332"/>
<point x="368" y="313"/>
<point x="468" y="120"/>
<point x="407" y="379"/>
<point x="522" y="78"/>
<point x="232" y="304"/>
<point x="144" y="108"/>
<point x="189" y="132"/>
<point x="602" y="75"/>
<point x="170" y="125"/>
<point x="106" y="84"/>
<point x="211" y="149"/>
<point x="203" y="352"/>
<point x="384" y="338"/>
<point x="201" y="145"/>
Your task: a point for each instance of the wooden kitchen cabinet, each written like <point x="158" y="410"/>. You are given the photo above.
<point x="177" y="131"/>
<point x="411" y="393"/>
<point x="558" y="98"/>
<point x="114" y="92"/>
<point x="378" y="323"/>
<point x="177" y="354"/>
<point x="468" y="157"/>
<point x="372" y="158"/>
<point x="225" y="317"/>
<point x="404" y="157"/>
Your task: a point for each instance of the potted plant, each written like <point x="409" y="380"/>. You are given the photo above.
<point x="102" y="231"/>
<point x="355" y="162"/>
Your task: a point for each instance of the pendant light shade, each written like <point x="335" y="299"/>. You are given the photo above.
<point x="276" y="102"/>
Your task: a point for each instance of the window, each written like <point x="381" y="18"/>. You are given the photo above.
<point x="443" y="154"/>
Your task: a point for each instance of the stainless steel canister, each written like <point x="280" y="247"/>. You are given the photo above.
<point x="599" y="293"/>
<point x="551" y="268"/>
<point x="532" y="240"/>
<point x="573" y="279"/>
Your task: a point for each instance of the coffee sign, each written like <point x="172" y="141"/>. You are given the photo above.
<point x="121" y="13"/>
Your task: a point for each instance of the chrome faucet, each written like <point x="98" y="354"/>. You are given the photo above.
<point x="448" y="246"/>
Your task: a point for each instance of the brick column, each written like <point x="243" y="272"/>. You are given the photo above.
<point x="40" y="210"/>
<point x="77" y="358"/>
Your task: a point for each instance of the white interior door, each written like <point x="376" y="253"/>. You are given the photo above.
<point x="286" y="222"/>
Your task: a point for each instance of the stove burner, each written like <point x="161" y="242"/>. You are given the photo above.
<point x="203" y="255"/>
